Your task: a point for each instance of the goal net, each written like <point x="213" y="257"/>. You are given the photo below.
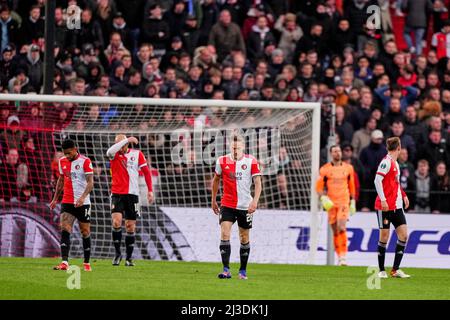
<point x="181" y="140"/>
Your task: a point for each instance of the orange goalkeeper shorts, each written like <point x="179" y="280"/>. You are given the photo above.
<point x="338" y="212"/>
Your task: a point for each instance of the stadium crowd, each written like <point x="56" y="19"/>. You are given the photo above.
<point x="256" y="50"/>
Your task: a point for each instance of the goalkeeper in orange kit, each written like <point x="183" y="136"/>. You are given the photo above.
<point x="336" y="188"/>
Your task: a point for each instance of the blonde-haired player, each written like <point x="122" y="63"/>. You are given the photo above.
<point x="125" y="166"/>
<point x="336" y="188"/>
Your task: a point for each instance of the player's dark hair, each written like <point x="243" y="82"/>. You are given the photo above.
<point x="392" y="143"/>
<point x="68" y="144"/>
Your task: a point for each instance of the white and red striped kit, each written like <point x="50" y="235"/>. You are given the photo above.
<point x="237" y="180"/>
<point x="74" y="173"/>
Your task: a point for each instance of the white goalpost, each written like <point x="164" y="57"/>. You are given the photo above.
<point x="181" y="140"/>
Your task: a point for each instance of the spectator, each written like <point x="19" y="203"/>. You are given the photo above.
<point x="422" y="175"/>
<point x="343" y="127"/>
<point x="259" y="34"/>
<point x="12" y="135"/>
<point x="416" y="22"/>
<point x="439" y="189"/>
<point x="155" y="30"/>
<point x="20" y="83"/>
<point x="290" y="34"/>
<point x="90" y="32"/>
<point x="226" y="35"/>
<point x="34" y="67"/>
<point x="32" y="158"/>
<point x="370" y="157"/>
<point x="435" y="149"/>
<point x="412" y="125"/>
<point x="9" y="173"/>
<point x="313" y="40"/>
<point x="343" y="36"/>
<point x="440" y="40"/>
<point x="362" y="112"/>
<point x="9" y="27"/>
<point x="349" y="157"/>
<point x="210" y="15"/>
<point x="32" y="27"/>
<point x="361" y="138"/>
<point x="407" y="142"/>
<point x="190" y="33"/>
<point x="407" y="176"/>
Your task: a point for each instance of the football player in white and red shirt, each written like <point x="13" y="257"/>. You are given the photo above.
<point x="389" y="206"/>
<point x="76" y="181"/>
<point x="125" y="166"/>
<point x="238" y="171"/>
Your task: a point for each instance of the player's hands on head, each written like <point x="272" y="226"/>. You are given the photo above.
<point x="150" y="197"/>
<point x="133" y="140"/>
<point x="252" y="207"/>
<point x="215" y="207"/>
<point x="406" y="200"/>
<point x="384" y="206"/>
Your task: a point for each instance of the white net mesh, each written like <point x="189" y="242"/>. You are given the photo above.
<point x="181" y="144"/>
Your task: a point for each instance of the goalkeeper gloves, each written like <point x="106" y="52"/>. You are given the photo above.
<point x="326" y="203"/>
<point x="352" y="207"/>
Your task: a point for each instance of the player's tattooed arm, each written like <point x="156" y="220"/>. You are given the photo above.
<point x="58" y="191"/>
<point x="87" y="190"/>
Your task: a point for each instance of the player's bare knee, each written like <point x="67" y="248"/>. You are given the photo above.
<point x="244" y="238"/>
<point x="117" y="223"/>
<point x="130" y="226"/>
<point x="85" y="233"/>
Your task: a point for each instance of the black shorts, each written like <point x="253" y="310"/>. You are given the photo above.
<point x="127" y="204"/>
<point x="83" y="213"/>
<point x="243" y="218"/>
<point x="385" y="218"/>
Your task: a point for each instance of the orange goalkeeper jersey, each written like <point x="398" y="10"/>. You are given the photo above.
<point x="337" y="182"/>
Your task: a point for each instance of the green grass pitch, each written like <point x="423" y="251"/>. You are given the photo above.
<point x="26" y="278"/>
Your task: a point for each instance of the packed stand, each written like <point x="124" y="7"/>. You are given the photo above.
<point x="256" y="50"/>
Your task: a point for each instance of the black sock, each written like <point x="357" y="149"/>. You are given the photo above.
<point x="244" y="253"/>
<point x="117" y="239"/>
<point x="87" y="248"/>
<point x="399" y="250"/>
<point x="129" y="243"/>
<point x="65" y="245"/>
<point x="381" y="254"/>
<point x="225" y="252"/>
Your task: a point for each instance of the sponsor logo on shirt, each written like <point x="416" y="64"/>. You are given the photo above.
<point x="244" y="166"/>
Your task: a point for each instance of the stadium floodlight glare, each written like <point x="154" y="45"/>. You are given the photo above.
<point x="182" y="139"/>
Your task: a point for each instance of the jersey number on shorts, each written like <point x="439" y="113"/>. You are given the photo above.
<point x="87" y="212"/>
<point x="249" y="217"/>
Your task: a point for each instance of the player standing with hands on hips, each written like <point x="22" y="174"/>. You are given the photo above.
<point x="76" y="181"/>
<point x="389" y="206"/>
<point x="237" y="171"/>
<point x="125" y="166"/>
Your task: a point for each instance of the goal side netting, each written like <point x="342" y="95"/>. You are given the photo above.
<point x="181" y="140"/>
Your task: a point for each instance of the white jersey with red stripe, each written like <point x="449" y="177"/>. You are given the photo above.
<point x="125" y="171"/>
<point x="237" y="180"/>
<point x="74" y="173"/>
<point x="390" y="171"/>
